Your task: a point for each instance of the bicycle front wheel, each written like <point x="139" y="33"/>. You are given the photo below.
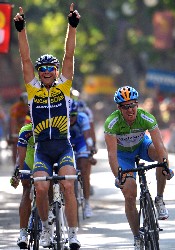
<point x="58" y="227"/>
<point x="34" y="231"/>
<point x="150" y="224"/>
<point x="80" y="201"/>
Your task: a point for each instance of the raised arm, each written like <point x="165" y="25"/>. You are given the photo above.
<point x="27" y="66"/>
<point x="70" y="43"/>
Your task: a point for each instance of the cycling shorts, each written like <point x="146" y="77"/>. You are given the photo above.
<point x="126" y="160"/>
<point x="25" y="176"/>
<point x="53" y="151"/>
<point x="79" y="152"/>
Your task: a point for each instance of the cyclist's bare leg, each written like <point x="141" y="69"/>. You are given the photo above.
<point x="130" y="193"/>
<point x="25" y="204"/>
<point x="42" y="199"/>
<point x="84" y="166"/>
<point x="161" y="179"/>
<point x="69" y="195"/>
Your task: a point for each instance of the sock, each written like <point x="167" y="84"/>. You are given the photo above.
<point x="137" y="237"/>
<point x="45" y="224"/>
<point x="73" y="230"/>
<point x="23" y="232"/>
<point x="159" y="197"/>
<point x="86" y="201"/>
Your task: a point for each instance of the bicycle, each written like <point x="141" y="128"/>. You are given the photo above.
<point x="80" y="197"/>
<point x="79" y="189"/>
<point x="149" y="226"/>
<point x="34" y="225"/>
<point x="59" y="239"/>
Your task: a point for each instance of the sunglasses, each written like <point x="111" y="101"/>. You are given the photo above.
<point x="44" y="68"/>
<point x="127" y="106"/>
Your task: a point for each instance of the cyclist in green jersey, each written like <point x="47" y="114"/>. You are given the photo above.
<point x="24" y="160"/>
<point x="49" y="102"/>
<point x="125" y="138"/>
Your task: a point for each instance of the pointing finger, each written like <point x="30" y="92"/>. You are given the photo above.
<point x="72" y="7"/>
<point x="21" y="10"/>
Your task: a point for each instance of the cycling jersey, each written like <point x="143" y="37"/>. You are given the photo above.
<point x="26" y="140"/>
<point x="130" y="137"/>
<point x="76" y="131"/>
<point x="82" y="107"/>
<point x="49" y="109"/>
<point x="18" y="112"/>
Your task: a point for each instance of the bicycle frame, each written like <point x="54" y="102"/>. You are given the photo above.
<point x="147" y="216"/>
<point x="60" y="234"/>
<point x="34" y="224"/>
<point x="60" y="239"/>
<point x="149" y="231"/>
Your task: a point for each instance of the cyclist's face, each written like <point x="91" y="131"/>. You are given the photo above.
<point x="48" y="77"/>
<point x="73" y="119"/>
<point x="129" y="111"/>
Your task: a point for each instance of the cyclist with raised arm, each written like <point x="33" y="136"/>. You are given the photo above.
<point x="24" y="161"/>
<point x="125" y="138"/>
<point x="82" y="142"/>
<point x="49" y="101"/>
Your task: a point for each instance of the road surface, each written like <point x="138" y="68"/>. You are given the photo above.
<point x="108" y="228"/>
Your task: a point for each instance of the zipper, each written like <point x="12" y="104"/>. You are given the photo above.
<point x="50" y="130"/>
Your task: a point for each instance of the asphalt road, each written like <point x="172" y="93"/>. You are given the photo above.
<point x="108" y="228"/>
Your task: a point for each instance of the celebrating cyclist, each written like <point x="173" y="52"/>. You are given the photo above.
<point x="24" y="161"/>
<point x="49" y="101"/>
<point x="82" y="142"/>
<point x="125" y="138"/>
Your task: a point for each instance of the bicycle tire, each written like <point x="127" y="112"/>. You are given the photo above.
<point x="150" y="223"/>
<point x="58" y="227"/>
<point x="80" y="202"/>
<point x="36" y="230"/>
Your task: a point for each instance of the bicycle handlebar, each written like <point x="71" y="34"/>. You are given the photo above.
<point x="55" y="177"/>
<point x="48" y="178"/>
<point x="141" y="168"/>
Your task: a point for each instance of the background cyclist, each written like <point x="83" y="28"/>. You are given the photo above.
<point x="18" y="112"/>
<point x="82" y="142"/>
<point x="49" y="101"/>
<point x="125" y="138"/>
<point x="24" y="160"/>
<point x="83" y="107"/>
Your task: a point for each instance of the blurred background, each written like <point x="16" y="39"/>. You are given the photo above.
<point x="119" y="43"/>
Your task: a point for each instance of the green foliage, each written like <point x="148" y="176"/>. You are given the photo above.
<point x="105" y="33"/>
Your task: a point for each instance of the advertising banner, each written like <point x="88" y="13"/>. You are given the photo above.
<point x="5" y="26"/>
<point x="162" y="80"/>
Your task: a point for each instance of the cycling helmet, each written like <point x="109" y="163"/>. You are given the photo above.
<point x="46" y="59"/>
<point x="81" y="105"/>
<point x="74" y="107"/>
<point x="125" y="94"/>
<point x="24" y="97"/>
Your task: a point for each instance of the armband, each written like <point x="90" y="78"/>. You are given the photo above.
<point x="20" y="24"/>
<point x="89" y="141"/>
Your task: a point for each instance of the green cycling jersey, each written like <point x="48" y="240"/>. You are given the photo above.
<point x="129" y="137"/>
<point x="26" y="139"/>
